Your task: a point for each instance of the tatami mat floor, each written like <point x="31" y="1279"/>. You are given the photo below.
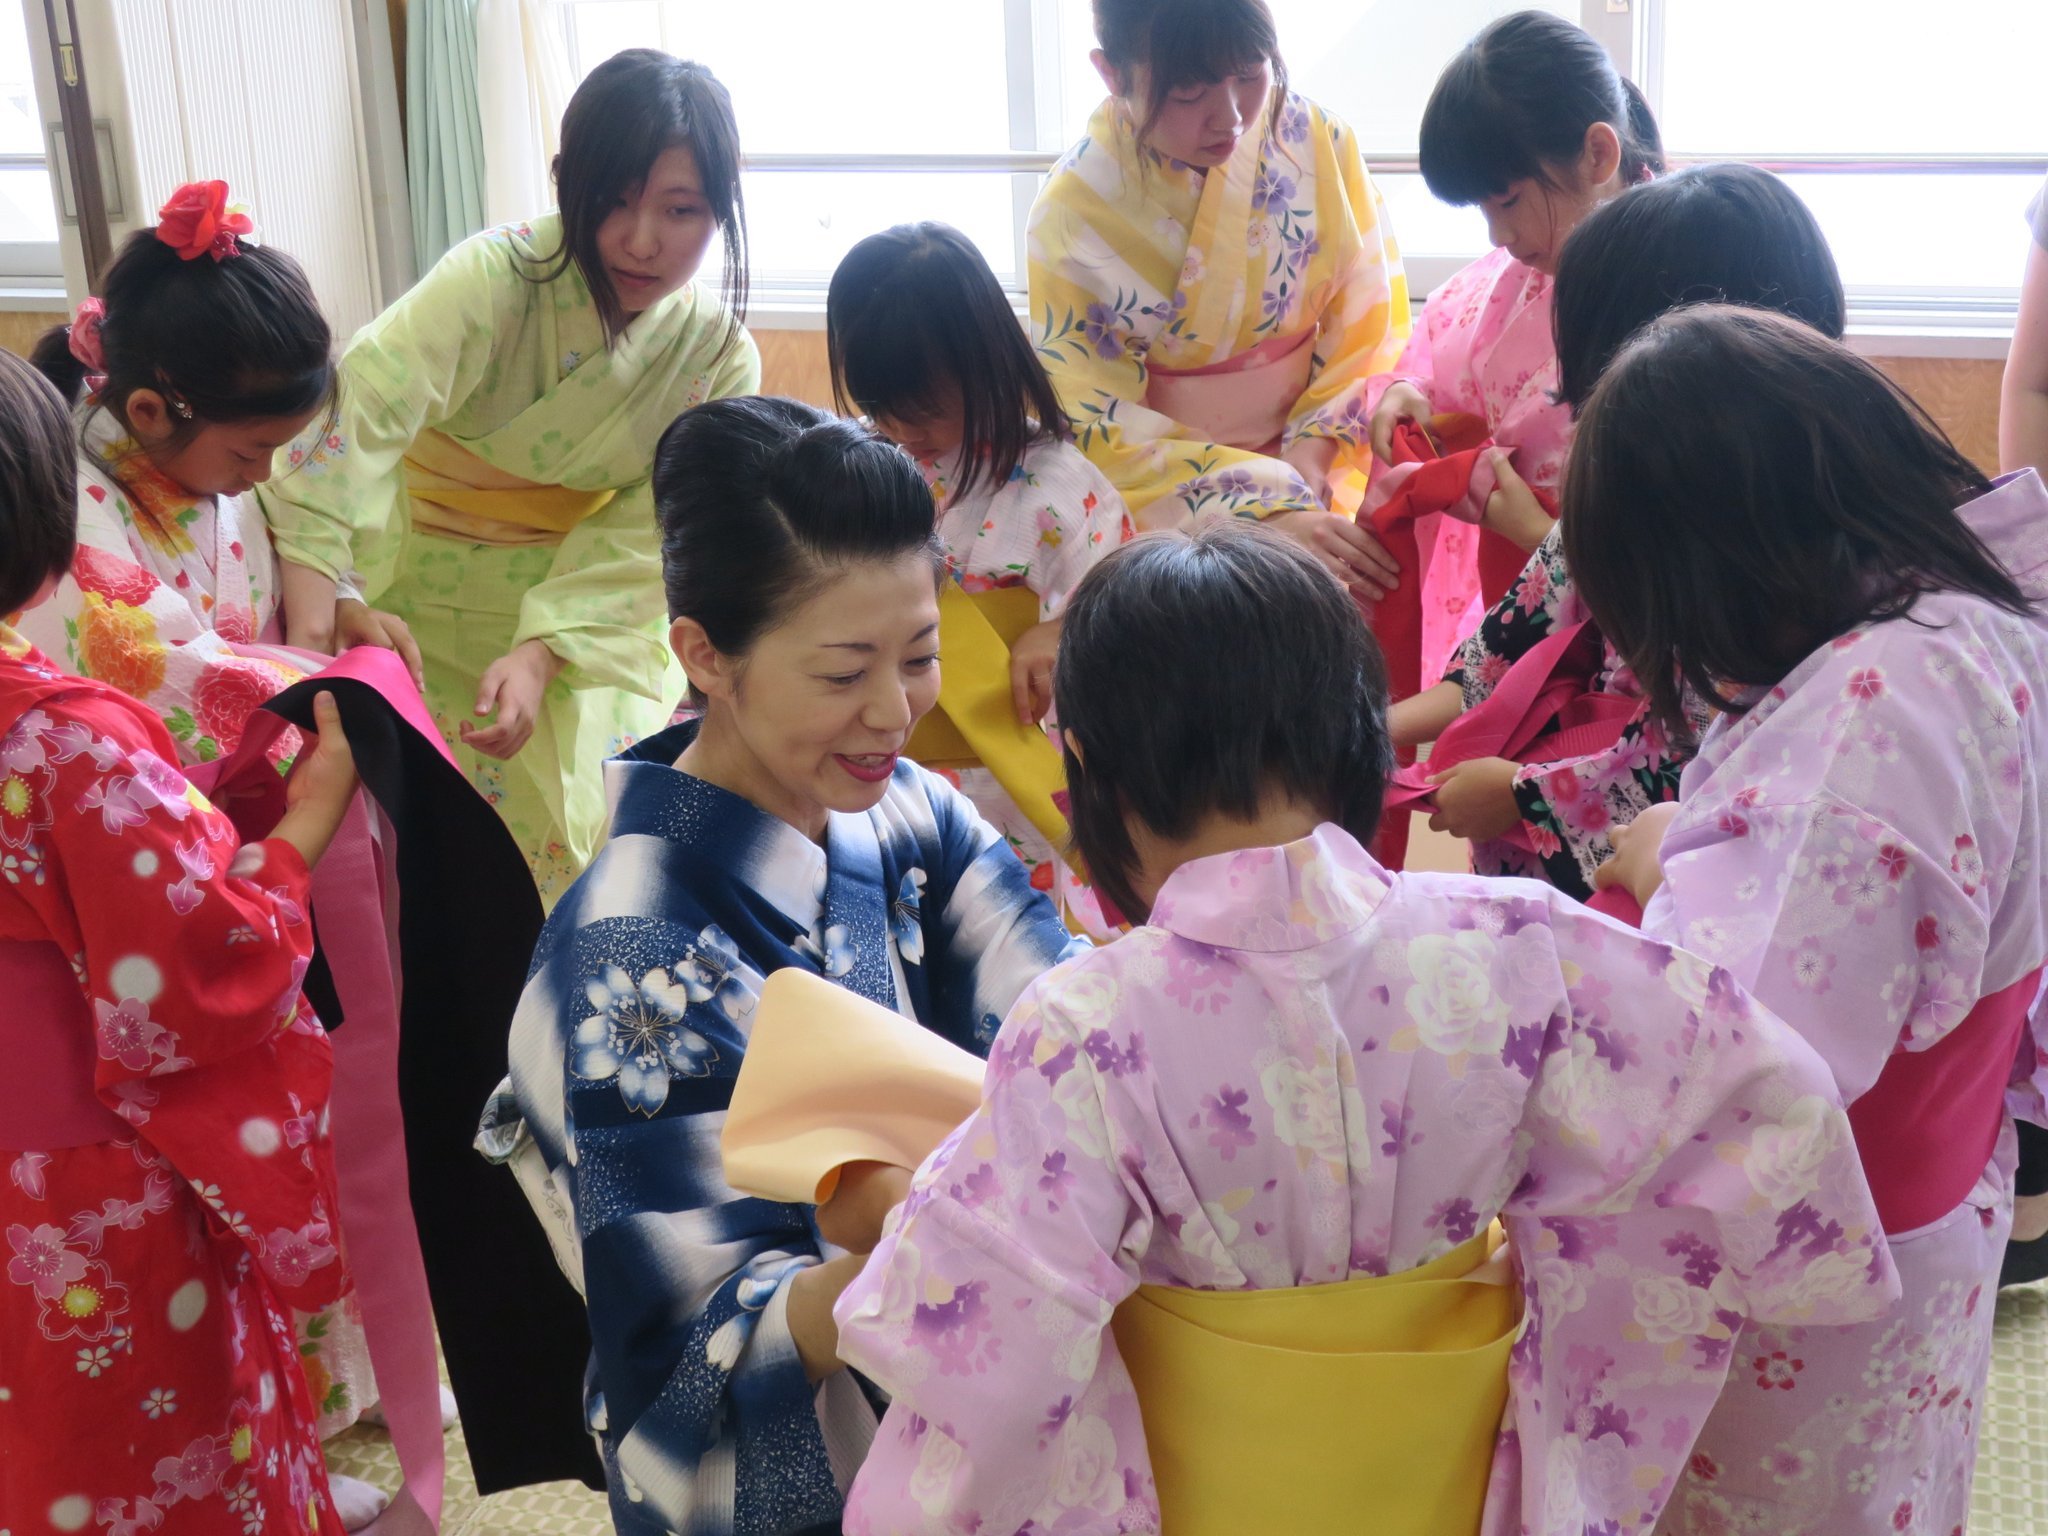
<point x="2012" y="1466"/>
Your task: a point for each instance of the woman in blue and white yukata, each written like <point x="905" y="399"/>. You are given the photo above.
<point x="781" y="828"/>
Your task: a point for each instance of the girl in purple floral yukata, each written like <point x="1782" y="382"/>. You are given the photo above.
<point x="1302" y="1070"/>
<point x="1859" y="840"/>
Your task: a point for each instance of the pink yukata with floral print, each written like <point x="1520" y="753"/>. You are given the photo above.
<point x="1303" y="1069"/>
<point x="1482" y="348"/>
<point x="1865" y="850"/>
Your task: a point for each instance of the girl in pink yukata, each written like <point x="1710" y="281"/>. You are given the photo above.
<point x="1302" y="1068"/>
<point x="1859" y="840"/>
<point x="1532" y="124"/>
<point x="1731" y="233"/>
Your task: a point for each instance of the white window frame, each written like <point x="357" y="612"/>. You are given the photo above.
<point x="32" y="271"/>
<point x="1892" y="322"/>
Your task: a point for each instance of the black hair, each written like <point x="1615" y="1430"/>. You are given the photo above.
<point x="1720" y="234"/>
<point x="916" y="309"/>
<point x="1516" y="103"/>
<point x="38" y="483"/>
<point x="1743" y="490"/>
<point x="1290" y="694"/>
<point x="222" y="341"/>
<point x="761" y="499"/>
<point x="1188" y="42"/>
<point x="629" y="109"/>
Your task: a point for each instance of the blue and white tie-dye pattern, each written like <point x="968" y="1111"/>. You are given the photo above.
<point x="623" y="1055"/>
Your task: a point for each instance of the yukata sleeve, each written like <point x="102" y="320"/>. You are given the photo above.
<point x="1688" y="1165"/>
<point x="1527" y="612"/>
<point x="190" y="950"/>
<point x="985" y="1313"/>
<point x="1874" y="937"/>
<point x="1368" y="322"/>
<point x="1092" y="330"/>
<point x="336" y="502"/>
<point x="705" y="1417"/>
<point x="978" y="926"/>
<point x="600" y="608"/>
<point x="1081" y="518"/>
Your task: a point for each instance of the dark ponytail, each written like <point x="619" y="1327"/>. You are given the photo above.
<point x="232" y="340"/>
<point x="1516" y="103"/>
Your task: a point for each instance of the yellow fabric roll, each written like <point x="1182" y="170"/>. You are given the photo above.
<point x="458" y="495"/>
<point x="1365" y="1405"/>
<point x="975" y="723"/>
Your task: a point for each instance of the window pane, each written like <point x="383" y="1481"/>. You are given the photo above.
<point x="802" y="223"/>
<point x="1878" y="77"/>
<point x="1372" y="62"/>
<point x="840" y="78"/>
<point x="28" y="212"/>
<point x="1879" y="247"/>
<point x="21" y="124"/>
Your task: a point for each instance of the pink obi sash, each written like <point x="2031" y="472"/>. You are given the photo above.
<point x="1243" y="401"/>
<point x="46" y="1094"/>
<point x="1927" y="1126"/>
<point x="1545" y="710"/>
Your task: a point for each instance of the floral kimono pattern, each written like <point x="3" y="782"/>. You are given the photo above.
<point x="623" y="1053"/>
<point x="151" y="1367"/>
<point x="1569" y="809"/>
<point x="1303" y="1069"/>
<point x="1482" y="348"/>
<point x="1137" y="259"/>
<point x="1045" y="529"/>
<point x="1864" y="849"/>
<point x="517" y="373"/>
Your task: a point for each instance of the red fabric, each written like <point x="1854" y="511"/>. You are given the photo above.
<point x="153" y="1373"/>
<point x="1501" y="559"/>
<point x="1544" y="710"/>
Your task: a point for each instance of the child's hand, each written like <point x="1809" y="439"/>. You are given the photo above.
<point x="860" y="1203"/>
<point x="357" y="623"/>
<point x="1354" y="555"/>
<point x="1513" y="511"/>
<point x="1638" y="863"/>
<point x="512" y="685"/>
<point x="323" y="782"/>
<point x="1402" y="402"/>
<point x="1476" y="799"/>
<point x="1031" y="660"/>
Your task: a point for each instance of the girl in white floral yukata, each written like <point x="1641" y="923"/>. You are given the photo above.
<point x="1304" y="1072"/>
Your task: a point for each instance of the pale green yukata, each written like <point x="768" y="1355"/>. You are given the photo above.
<point x="517" y="372"/>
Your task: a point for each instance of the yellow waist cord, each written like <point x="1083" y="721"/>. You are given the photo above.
<point x="1369" y="1405"/>
<point x="975" y="723"/>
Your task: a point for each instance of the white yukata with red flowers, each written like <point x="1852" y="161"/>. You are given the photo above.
<point x="1304" y="1069"/>
<point x="1865" y="850"/>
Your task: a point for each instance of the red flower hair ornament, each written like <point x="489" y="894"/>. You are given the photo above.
<point x="197" y="221"/>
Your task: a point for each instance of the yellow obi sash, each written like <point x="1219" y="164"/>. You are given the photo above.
<point x="975" y="723"/>
<point x="1364" y="1405"/>
<point x="459" y="496"/>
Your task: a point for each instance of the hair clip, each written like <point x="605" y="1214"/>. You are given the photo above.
<point x="198" y="221"/>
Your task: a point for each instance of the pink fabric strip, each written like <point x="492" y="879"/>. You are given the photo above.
<point x="47" y="1098"/>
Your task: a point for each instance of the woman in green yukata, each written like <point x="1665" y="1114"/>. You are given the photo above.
<point x="487" y="478"/>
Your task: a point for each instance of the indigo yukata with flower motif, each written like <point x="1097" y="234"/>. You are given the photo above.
<point x="624" y="1051"/>
<point x="170" y="1185"/>
<point x="1866" y="850"/>
<point x="1140" y="261"/>
<point x="1305" y="1069"/>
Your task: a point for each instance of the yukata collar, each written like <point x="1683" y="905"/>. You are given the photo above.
<point x="1295" y="896"/>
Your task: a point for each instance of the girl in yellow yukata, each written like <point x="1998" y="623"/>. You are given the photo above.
<point x="487" y="479"/>
<point x="1213" y="280"/>
<point x="923" y="343"/>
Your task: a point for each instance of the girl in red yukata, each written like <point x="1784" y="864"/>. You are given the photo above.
<point x="170" y="1189"/>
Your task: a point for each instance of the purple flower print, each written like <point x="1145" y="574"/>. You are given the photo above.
<point x="1103" y="327"/>
<point x="1293" y="123"/>
<point x="1272" y="192"/>
<point x="957" y="1333"/>
<point x="1457" y="1218"/>
<point x="1056" y="1180"/>
<point x="1394" y="1118"/>
<point x="1229" y="1126"/>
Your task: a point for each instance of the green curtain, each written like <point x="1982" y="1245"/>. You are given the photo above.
<point x="444" y="134"/>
